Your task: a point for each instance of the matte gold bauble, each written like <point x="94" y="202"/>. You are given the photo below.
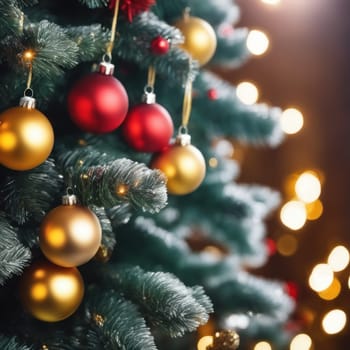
<point x="26" y="138"/>
<point x="70" y="235"/>
<point x="49" y="292"/>
<point x="183" y="165"/>
<point x="200" y="38"/>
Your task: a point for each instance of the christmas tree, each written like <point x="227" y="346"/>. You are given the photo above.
<point x="113" y="236"/>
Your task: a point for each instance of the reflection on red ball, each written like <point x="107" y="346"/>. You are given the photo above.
<point x="98" y="103"/>
<point x="148" y="127"/>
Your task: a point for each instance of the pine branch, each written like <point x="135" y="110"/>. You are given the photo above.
<point x="13" y="255"/>
<point x="239" y="291"/>
<point x="231" y="50"/>
<point x="30" y="194"/>
<point x="54" y="51"/>
<point x="108" y="237"/>
<point x="215" y="11"/>
<point x="10" y="19"/>
<point x="117" y="320"/>
<point x="258" y="124"/>
<point x="100" y="179"/>
<point x="134" y="45"/>
<point x="91" y="41"/>
<point x="94" y="3"/>
<point x="121" y="181"/>
<point x="26" y="3"/>
<point x="152" y="245"/>
<point x="11" y="343"/>
<point x="164" y="300"/>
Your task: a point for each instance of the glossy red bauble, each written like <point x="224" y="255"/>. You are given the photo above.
<point x="148" y="127"/>
<point x="98" y="103"/>
<point x="160" y="45"/>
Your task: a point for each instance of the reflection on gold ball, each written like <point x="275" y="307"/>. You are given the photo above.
<point x="26" y="138"/>
<point x="200" y="38"/>
<point x="49" y="292"/>
<point x="70" y="235"/>
<point x="184" y="167"/>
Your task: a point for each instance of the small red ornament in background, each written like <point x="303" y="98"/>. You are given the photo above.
<point x="291" y="288"/>
<point x="131" y="8"/>
<point x="271" y="246"/>
<point x="212" y="94"/>
<point x="148" y="127"/>
<point x="226" y="30"/>
<point x="98" y="103"/>
<point x="160" y="45"/>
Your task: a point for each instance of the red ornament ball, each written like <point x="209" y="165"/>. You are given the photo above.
<point x="98" y="103"/>
<point x="148" y="127"/>
<point x="160" y="45"/>
<point x="292" y="289"/>
<point x="212" y="94"/>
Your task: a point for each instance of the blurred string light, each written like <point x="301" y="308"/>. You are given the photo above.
<point x="247" y="92"/>
<point x="339" y="258"/>
<point x="321" y="277"/>
<point x="271" y="2"/>
<point x="263" y="345"/>
<point x="334" y="321"/>
<point x="287" y="245"/>
<point x="291" y="121"/>
<point x="204" y="342"/>
<point x="308" y="187"/>
<point x="314" y="210"/>
<point x="332" y="291"/>
<point x="301" y="342"/>
<point x="293" y="214"/>
<point x="257" y="42"/>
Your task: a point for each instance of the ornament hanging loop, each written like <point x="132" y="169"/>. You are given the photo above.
<point x="149" y="96"/>
<point x="28" y="57"/>
<point x="187" y="104"/>
<point x="110" y="45"/>
<point x="69" y="198"/>
<point x="186" y="13"/>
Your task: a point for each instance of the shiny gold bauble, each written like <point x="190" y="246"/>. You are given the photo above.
<point x="70" y="235"/>
<point x="26" y="138"/>
<point x="200" y="38"/>
<point x="184" y="167"/>
<point x="49" y="292"/>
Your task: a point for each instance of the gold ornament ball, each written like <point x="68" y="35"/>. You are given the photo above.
<point x="70" y="235"/>
<point x="26" y="138"/>
<point x="200" y="38"/>
<point x="49" y="292"/>
<point x="184" y="167"/>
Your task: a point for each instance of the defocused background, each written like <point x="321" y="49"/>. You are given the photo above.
<point x="306" y="67"/>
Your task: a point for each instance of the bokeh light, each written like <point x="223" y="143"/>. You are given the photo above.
<point x="204" y="342"/>
<point x="247" y="92"/>
<point x="293" y="214"/>
<point x="314" y="210"/>
<point x="292" y="121"/>
<point x="308" y="187"/>
<point x="301" y="342"/>
<point x="332" y="291"/>
<point x="263" y="345"/>
<point x="334" y="321"/>
<point x="339" y="258"/>
<point x="321" y="277"/>
<point x="271" y="2"/>
<point x="257" y="42"/>
<point x="287" y="245"/>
